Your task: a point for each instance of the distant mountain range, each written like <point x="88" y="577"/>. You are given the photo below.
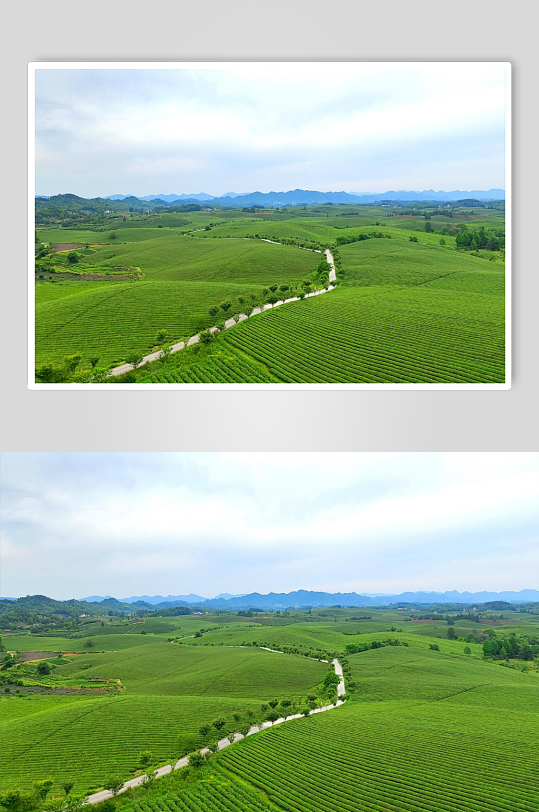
<point x="302" y="197"/>
<point x="166" y="198"/>
<point x="155" y="600"/>
<point x="296" y="197"/>
<point x="303" y="598"/>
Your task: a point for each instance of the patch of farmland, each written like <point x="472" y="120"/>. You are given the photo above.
<point x="433" y="754"/>
<point x="294" y="228"/>
<point x="314" y="635"/>
<point x="380" y="334"/>
<point x="192" y="259"/>
<point x="172" y="669"/>
<point x="169" y="690"/>
<point x="100" y="642"/>
<point x="416" y="673"/>
<point x="110" y="237"/>
<point x="214" y="793"/>
<point x="319" y="230"/>
<point x="110" y="320"/>
<point x="51" y="291"/>
<point x="386" y="262"/>
<point x="222" y="366"/>
<point x="56" y="235"/>
<point x="16" y="707"/>
<point x="88" y="739"/>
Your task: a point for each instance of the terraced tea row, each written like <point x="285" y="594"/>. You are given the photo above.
<point x="182" y="278"/>
<point x="378" y="335"/>
<point x="444" y="755"/>
<point x="86" y="740"/>
<point x="169" y="690"/>
<point x="112" y="320"/>
<point x="216" y="793"/>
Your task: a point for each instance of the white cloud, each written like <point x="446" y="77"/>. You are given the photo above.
<point x="247" y="126"/>
<point x="241" y="522"/>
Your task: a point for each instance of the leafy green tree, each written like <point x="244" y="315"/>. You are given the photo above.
<point x="434" y="647"/>
<point x="451" y="634"/>
<point x="442" y="241"/>
<point x="205" y="730"/>
<point x="273" y="703"/>
<point x="42" y="788"/>
<point x="149" y="780"/>
<point x="161" y="336"/>
<point x="73" y="258"/>
<point x="467" y="650"/>
<point x="206" y="336"/>
<point x="213" y="310"/>
<point x="272" y="716"/>
<point x="164" y="355"/>
<point x="114" y="784"/>
<point x="134" y="358"/>
<point x="11" y="800"/>
<point x="72" y="362"/>
<point x="43" y="668"/>
<point x="226" y="305"/>
<point x="219" y="723"/>
<point x="94" y="360"/>
<point x="145" y="758"/>
<point x="213" y="746"/>
<point x="196" y="759"/>
<point x="75" y="803"/>
<point x="187" y="742"/>
<point x="67" y="786"/>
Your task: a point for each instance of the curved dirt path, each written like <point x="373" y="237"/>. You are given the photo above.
<point x="105" y="794"/>
<point x="180" y="345"/>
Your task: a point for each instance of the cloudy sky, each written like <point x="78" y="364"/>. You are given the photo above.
<point x="332" y="127"/>
<point x="126" y="524"/>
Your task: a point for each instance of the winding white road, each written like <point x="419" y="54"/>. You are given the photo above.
<point x="105" y="794"/>
<point x="180" y="345"/>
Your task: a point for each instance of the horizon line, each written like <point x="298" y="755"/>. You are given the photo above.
<point x="301" y="189"/>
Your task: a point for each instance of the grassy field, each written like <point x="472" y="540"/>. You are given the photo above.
<point x="182" y="278"/>
<point x="433" y="333"/>
<point x="333" y="637"/>
<point x="424" y="731"/>
<point x="407" y="311"/>
<point x="414" y="737"/>
<point x="168" y="691"/>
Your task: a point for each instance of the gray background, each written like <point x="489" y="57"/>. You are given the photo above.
<point x="264" y="30"/>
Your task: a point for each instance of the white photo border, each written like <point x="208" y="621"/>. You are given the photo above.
<point x="35" y="66"/>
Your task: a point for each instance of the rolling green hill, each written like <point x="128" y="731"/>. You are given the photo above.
<point x="427" y="733"/>
<point x="182" y="278"/>
<point x="447" y="328"/>
<point x="410" y="307"/>
<point x="168" y="691"/>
